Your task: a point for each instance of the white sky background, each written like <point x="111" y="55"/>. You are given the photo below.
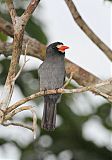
<point x="60" y="26"/>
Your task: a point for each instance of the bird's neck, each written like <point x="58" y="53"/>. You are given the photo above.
<point x="55" y="56"/>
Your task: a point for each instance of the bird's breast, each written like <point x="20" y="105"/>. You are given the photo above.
<point x="52" y="74"/>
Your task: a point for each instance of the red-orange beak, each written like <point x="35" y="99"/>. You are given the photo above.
<point x="62" y="48"/>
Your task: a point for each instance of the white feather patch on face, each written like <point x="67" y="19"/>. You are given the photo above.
<point x="58" y="47"/>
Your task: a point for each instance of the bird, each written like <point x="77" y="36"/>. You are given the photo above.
<point x="52" y="75"/>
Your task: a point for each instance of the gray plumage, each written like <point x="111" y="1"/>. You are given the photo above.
<point x="52" y="75"/>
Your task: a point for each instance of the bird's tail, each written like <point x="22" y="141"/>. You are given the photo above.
<point x="49" y="113"/>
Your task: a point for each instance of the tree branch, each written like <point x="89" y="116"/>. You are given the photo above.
<point x="12" y="10"/>
<point x="28" y="12"/>
<point x="37" y="49"/>
<point x="18" y="124"/>
<point x="19" y="24"/>
<point x="65" y="91"/>
<point x="87" y="30"/>
<point x="18" y="110"/>
<point x="25" y="61"/>
<point x="13" y="110"/>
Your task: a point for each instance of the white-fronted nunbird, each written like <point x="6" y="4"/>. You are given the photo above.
<point x="52" y="75"/>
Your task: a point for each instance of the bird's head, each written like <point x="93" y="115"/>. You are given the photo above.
<point x="57" y="47"/>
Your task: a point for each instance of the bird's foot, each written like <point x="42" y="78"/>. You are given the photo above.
<point x="45" y="91"/>
<point x="56" y="89"/>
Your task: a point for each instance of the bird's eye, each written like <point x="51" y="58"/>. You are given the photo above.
<point x="54" y="47"/>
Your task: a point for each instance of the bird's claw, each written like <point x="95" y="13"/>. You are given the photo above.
<point x="56" y="90"/>
<point x="45" y="91"/>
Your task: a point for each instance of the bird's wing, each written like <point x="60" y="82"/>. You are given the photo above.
<point x="40" y="69"/>
<point x="64" y="78"/>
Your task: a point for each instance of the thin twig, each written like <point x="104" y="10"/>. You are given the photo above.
<point x="25" y="61"/>
<point x="23" y="108"/>
<point x="2" y="116"/>
<point x="34" y="122"/>
<point x="18" y="124"/>
<point x="68" y="81"/>
<point x="14" y="112"/>
<point x="11" y="10"/>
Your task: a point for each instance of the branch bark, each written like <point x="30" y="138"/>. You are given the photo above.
<point x="19" y="24"/>
<point x="64" y="91"/>
<point x="30" y="9"/>
<point x="87" y="30"/>
<point x="12" y="10"/>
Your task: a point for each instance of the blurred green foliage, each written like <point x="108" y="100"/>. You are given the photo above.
<point x="3" y="37"/>
<point x="109" y="0"/>
<point x="67" y="139"/>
